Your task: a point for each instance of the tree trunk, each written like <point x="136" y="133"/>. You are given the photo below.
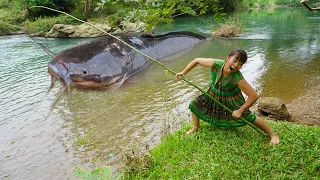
<point x="87" y="8"/>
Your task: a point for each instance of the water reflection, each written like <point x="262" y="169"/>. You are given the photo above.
<point x="290" y="54"/>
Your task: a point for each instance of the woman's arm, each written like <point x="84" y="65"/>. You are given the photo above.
<point x="252" y="97"/>
<point x="206" y="62"/>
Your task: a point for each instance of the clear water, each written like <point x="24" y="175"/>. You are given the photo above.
<point x="93" y="127"/>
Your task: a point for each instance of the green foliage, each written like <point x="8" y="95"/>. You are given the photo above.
<point x="4" y="4"/>
<point x="241" y="153"/>
<point x="287" y="2"/>
<point x="158" y="11"/>
<point x="80" y="10"/>
<point x="32" y="13"/>
<point x="6" y="28"/>
<point x="101" y="173"/>
<point x="10" y="13"/>
<point x="231" y="5"/>
<point x="165" y="11"/>
<point x="11" y="17"/>
<point x="42" y="25"/>
<point x="115" y="19"/>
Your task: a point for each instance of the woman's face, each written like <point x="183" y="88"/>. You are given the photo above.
<point x="232" y="64"/>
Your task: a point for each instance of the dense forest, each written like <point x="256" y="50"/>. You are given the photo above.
<point x="21" y="16"/>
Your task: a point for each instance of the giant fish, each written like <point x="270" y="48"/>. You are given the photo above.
<point x="108" y="62"/>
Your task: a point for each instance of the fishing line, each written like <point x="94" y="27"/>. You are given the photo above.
<point x="157" y="62"/>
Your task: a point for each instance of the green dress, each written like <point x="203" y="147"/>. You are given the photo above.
<point x="226" y="91"/>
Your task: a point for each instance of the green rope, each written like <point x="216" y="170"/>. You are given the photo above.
<point x="157" y="62"/>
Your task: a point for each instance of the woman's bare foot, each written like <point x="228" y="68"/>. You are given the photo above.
<point x="192" y="131"/>
<point x="274" y="139"/>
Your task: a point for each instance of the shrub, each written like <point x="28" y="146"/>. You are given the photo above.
<point x="230" y="28"/>
<point x="33" y="13"/>
<point x="43" y="25"/>
<point x="6" y="28"/>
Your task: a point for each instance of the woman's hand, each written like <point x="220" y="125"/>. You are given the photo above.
<point x="237" y="113"/>
<point x="180" y="75"/>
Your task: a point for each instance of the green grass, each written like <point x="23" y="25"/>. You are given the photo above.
<point x="241" y="153"/>
<point x="99" y="173"/>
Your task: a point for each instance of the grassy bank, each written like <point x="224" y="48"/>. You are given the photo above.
<point x="242" y="153"/>
<point x="10" y="18"/>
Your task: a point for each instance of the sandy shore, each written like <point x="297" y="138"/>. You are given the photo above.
<point x="306" y="108"/>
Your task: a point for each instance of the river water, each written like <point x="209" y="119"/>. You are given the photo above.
<point x="93" y="127"/>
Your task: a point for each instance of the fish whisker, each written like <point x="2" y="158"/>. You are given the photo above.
<point x="53" y="80"/>
<point x="58" y="97"/>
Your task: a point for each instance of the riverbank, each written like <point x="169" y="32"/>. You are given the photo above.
<point x="303" y="110"/>
<point x="28" y="16"/>
<point x="306" y="108"/>
<point x="240" y="153"/>
<point x="232" y="154"/>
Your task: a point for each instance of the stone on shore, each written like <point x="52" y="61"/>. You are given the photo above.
<point x="273" y="108"/>
<point x="74" y="31"/>
<point x="86" y="30"/>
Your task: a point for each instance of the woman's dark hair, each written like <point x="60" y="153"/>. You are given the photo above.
<point x="239" y="54"/>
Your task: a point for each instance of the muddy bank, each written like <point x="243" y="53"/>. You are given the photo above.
<point x="306" y="108"/>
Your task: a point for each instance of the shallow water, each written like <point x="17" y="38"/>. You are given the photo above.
<point x="92" y="127"/>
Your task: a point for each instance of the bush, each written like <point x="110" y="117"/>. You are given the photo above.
<point x="6" y="28"/>
<point x="230" y="28"/>
<point x="43" y="25"/>
<point x="33" y="13"/>
<point x="4" y="4"/>
<point x="155" y="12"/>
<point x="10" y="13"/>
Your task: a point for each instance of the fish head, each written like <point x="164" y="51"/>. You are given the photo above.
<point x="91" y="67"/>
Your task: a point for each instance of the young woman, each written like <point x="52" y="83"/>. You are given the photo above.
<point x="226" y="85"/>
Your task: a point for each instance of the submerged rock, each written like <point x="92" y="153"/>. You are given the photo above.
<point x="274" y="108"/>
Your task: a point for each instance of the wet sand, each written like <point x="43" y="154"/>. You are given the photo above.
<point x="306" y="108"/>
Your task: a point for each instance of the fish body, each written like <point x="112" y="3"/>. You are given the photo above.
<point x="108" y="62"/>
